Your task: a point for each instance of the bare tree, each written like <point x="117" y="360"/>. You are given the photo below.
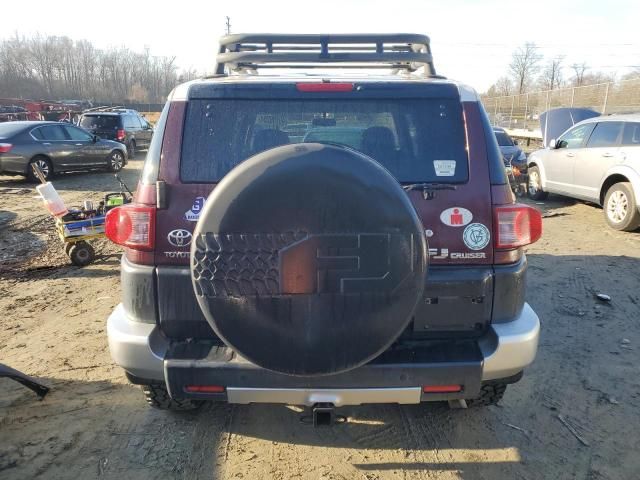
<point x="524" y="65"/>
<point x="579" y="69"/>
<point x="502" y="88"/>
<point x="551" y="77"/>
<point x="59" y="67"/>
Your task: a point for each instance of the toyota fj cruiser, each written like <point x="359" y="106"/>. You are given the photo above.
<point x="321" y="239"/>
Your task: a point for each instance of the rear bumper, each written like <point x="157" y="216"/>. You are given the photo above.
<point x="394" y="377"/>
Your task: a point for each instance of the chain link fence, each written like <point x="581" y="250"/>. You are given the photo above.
<point x="523" y="111"/>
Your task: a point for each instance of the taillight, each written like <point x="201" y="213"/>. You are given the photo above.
<point x="324" y="87"/>
<point x="131" y="226"/>
<point x="441" y="388"/>
<point x="120" y="134"/>
<point x="204" y="389"/>
<point x="5" y="147"/>
<point x="516" y="226"/>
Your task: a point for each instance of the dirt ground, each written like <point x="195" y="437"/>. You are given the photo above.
<point x="94" y="424"/>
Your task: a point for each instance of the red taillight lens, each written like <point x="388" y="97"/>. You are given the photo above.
<point x="204" y="389"/>
<point x="324" y="87"/>
<point x="131" y="226"/>
<point x="441" y="388"/>
<point x="120" y="134"/>
<point x="5" y="147"/>
<point x="516" y="226"/>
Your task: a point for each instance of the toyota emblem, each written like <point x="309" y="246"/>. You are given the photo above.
<point x="179" y="237"/>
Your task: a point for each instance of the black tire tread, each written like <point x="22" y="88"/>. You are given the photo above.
<point x="81" y="245"/>
<point x="490" y="394"/>
<point x="158" y="397"/>
<point x="237" y="265"/>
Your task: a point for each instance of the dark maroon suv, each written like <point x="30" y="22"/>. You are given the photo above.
<point x="323" y="239"/>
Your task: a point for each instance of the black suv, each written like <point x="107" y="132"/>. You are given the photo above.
<point x="323" y="240"/>
<point x="120" y="124"/>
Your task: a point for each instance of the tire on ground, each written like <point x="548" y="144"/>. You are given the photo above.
<point x="630" y="221"/>
<point x="47" y="169"/>
<point x="538" y="194"/>
<point x="308" y="259"/>
<point x="490" y="394"/>
<point x="158" y="397"/>
<point x="81" y="254"/>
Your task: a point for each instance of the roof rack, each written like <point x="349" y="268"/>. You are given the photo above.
<point x="251" y="52"/>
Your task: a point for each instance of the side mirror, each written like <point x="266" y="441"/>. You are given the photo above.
<point x="515" y="142"/>
<point x="552" y="144"/>
<point x="95" y="138"/>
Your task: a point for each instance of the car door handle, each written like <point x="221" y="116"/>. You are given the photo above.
<point x="569" y="154"/>
<point x="46" y="143"/>
<point x="79" y="144"/>
<point x="607" y="154"/>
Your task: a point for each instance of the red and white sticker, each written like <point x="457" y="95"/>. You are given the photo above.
<point x="456" y="217"/>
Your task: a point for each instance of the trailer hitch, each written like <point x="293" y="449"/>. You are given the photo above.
<point x="323" y="415"/>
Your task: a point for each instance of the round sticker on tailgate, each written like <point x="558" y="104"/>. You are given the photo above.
<point x="476" y="236"/>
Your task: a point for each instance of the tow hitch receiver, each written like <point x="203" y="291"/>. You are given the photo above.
<point x="323" y="415"/>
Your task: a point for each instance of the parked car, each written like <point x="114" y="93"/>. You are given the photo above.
<point x="510" y="149"/>
<point x="122" y="125"/>
<point x="262" y="269"/>
<point x="597" y="160"/>
<point x="55" y="147"/>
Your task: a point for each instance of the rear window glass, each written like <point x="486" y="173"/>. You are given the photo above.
<point x="93" y="122"/>
<point x="417" y="140"/>
<point x="504" y="140"/>
<point x="9" y="129"/>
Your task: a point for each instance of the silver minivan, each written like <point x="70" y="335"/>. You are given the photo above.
<point x="597" y="160"/>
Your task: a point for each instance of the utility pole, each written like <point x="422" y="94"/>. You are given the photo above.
<point x="228" y="25"/>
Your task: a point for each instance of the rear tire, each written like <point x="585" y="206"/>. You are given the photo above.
<point x="81" y="254"/>
<point x="158" y="397"/>
<point x="534" y="185"/>
<point x="45" y="166"/>
<point x="490" y="394"/>
<point x="620" y="208"/>
<point x="116" y="161"/>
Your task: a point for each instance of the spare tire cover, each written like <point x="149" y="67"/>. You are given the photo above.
<point x="308" y="259"/>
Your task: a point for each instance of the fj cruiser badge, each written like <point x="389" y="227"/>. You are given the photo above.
<point x="476" y="236"/>
<point x="193" y="214"/>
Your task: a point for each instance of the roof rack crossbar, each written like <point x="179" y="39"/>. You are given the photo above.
<point x="252" y="52"/>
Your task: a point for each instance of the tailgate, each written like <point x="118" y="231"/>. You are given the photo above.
<point x="457" y="223"/>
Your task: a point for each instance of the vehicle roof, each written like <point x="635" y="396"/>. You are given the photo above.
<point x="181" y="92"/>
<point x="32" y="123"/>
<point x="109" y="114"/>
<point x="499" y="129"/>
<point x="626" y="117"/>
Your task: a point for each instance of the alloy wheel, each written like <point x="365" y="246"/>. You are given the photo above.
<point x="617" y="206"/>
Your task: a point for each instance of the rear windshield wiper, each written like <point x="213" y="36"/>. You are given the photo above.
<point x="428" y="188"/>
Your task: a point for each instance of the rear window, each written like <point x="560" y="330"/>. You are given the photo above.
<point x="417" y="140"/>
<point x="504" y="140"/>
<point x="93" y="122"/>
<point x="9" y="129"/>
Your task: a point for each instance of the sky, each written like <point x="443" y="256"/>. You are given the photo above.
<point x="472" y="41"/>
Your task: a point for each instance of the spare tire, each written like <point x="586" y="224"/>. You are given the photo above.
<point x="308" y="259"/>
